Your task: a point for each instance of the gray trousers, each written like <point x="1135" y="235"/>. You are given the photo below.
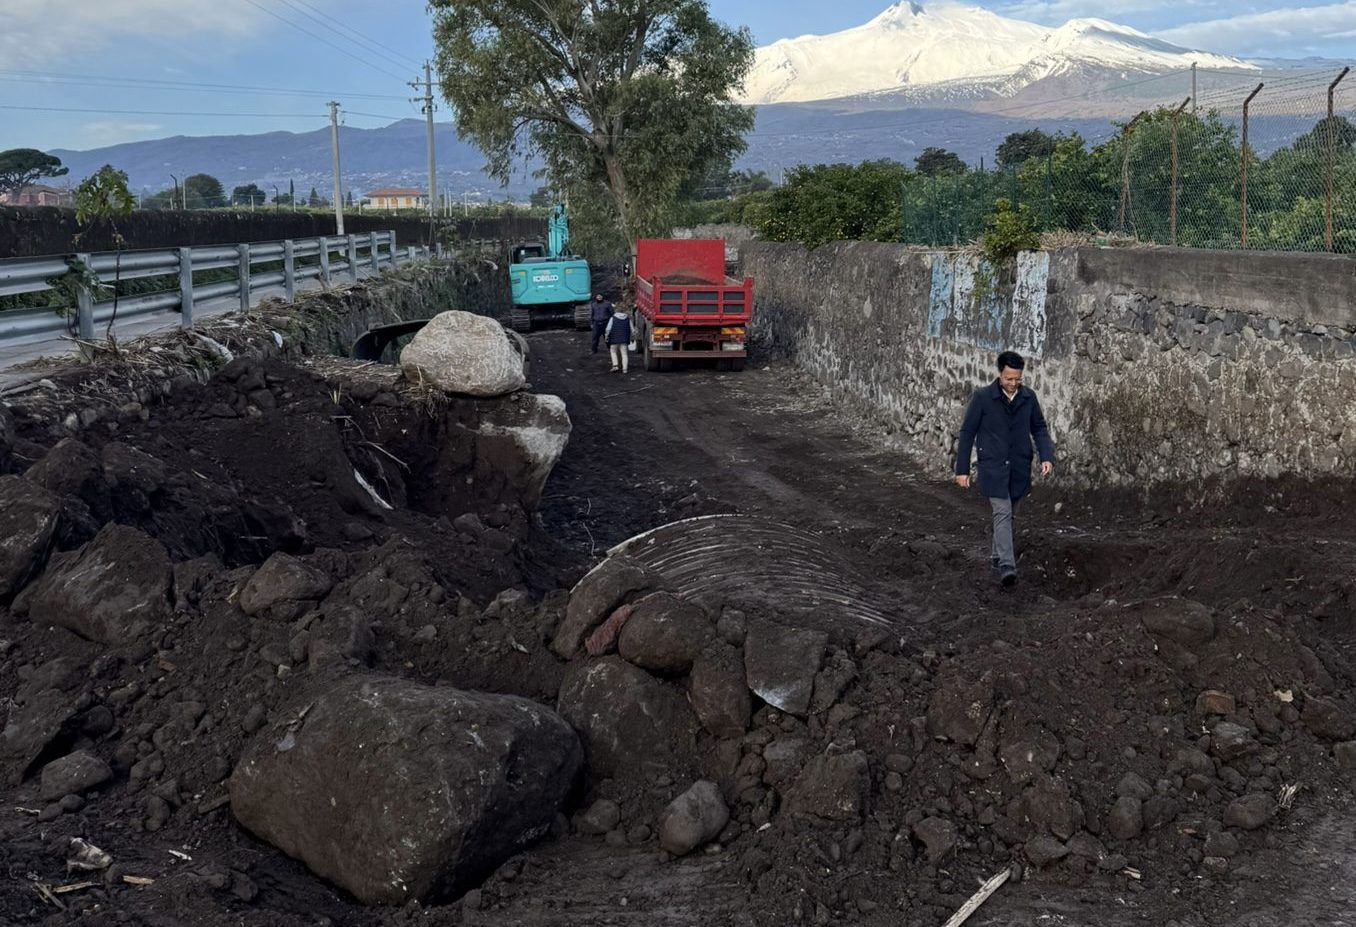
<point x="1004" y="556"/>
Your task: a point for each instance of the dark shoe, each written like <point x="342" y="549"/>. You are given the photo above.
<point x="1009" y="579"/>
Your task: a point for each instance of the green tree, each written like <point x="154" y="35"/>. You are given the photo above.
<point x="283" y="199"/>
<point x="104" y="197"/>
<point x="835" y="202"/>
<point x="314" y="200"/>
<point x="248" y="195"/>
<point x="541" y="198"/>
<point x="161" y="199"/>
<point x="20" y="167"/>
<point x="203" y="191"/>
<point x="348" y="200"/>
<point x="938" y="162"/>
<point x="623" y="101"/>
<point x="1339" y="129"/>
<point x="1020" y="147"/>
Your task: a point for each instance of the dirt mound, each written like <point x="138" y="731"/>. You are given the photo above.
<point x="1145" y="733"/>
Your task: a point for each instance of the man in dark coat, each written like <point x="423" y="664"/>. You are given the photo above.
<point x="1002" y="421"/>
<point x="602" y="311"/>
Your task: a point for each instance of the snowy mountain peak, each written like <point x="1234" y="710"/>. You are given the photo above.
<point x="909" y="46"/>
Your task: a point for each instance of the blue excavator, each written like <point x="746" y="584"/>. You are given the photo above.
<point x="548" y="283"/>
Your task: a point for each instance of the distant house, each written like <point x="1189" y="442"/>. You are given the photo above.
<point x="39" y="195"/>
<point x="396" y="198"/>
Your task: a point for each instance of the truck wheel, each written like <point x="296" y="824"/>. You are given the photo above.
<point x="737" y="364"/>
<point x="651" y="362"/>
<point x="583" y="317"/>
<point x="522" y="319"/>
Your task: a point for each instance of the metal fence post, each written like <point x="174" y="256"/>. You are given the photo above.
<point x="353" y="257"/>
<point x="244" y="277"/>
<point x="1332" y="145"/>
<point x="1243" y="193"/>
<point x="185" y="287"/>
<point x="374" y="251"/>
<point x="84" y="305"/>
<point x="289" y="269"/>
<point x="324" y="243"/>
<point x="1172" y="202"/>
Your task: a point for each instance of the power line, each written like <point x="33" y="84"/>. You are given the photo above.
<point x="92" y="80"/>
<point x="370" y="46"/>
<point x="323" y="40"/>
<point x="154" y="112"/>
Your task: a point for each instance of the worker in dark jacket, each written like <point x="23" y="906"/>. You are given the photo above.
<point x="602" y="311"/>
<point x="1002" y="421"/>
<point x="618" y="335"/>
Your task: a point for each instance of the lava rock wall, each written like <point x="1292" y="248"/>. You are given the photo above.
<point x="1154" y="366"/>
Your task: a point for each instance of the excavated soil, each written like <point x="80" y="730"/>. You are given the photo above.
<point x="998" y="730"/>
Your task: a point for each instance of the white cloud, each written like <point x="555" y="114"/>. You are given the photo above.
<point x="42" y="33"/>
<point x="1058" y="12"/>
<point x="1272" y="33"/>
<point x="112" y="132"/>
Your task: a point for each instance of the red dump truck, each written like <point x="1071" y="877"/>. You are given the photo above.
<point x="687" y="309"/>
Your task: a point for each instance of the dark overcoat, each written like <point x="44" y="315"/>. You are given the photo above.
<point x="1002" y="432"/>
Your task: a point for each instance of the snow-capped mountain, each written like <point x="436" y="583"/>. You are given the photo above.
<point x="911" y="46"/>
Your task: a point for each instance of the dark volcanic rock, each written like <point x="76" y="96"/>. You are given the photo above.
<point x="397" y="791"/>
<point x="630" y="722"/>
<point x="113" y="590"/>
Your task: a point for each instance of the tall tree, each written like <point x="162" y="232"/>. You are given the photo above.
<point x="248" y="195"/>
<point x="936" y="162"/>
<point x="103" y="197"/>
<point x="203" y="191"/>
<point x="20" y="167"/>
<point x="624" y="98"/>
<point x="1020" y="147"/>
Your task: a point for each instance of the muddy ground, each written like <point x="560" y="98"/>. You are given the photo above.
<point x="1063" y="664"/>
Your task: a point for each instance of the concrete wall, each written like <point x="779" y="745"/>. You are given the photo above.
<point x="1153" y="365"/>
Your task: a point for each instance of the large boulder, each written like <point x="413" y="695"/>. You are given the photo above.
<point x="284" y="587"/>
<point x="73" y="774"/>
<point x="595" y="597"/>
<point x="781" y="664"/>
<point x="664" y="634"/>
<point x="41" y="712"/>
<point x="460" y="352"/>
<point x="70" y="468"/>
<point x="631" y="723"/>
<point x="1179" y="620"/>
<point x="112" y="590"/>
<point x="520" y="441"/>
<point x="28" y="520"/>
<point x="718" y="691"/>
<point x="397" y="791"/>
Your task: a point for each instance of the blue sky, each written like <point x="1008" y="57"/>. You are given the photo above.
<point x="88" y="73"/>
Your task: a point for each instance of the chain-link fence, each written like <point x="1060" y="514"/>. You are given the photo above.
<point x="1251" y="163"/>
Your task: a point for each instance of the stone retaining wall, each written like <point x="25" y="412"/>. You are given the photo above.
<point x="1153" y="365"/>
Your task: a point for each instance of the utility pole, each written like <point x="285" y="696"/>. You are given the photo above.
<point x="427" y="101"/>
<point x="334" y="149"/>
<point x="1193" y="88"/>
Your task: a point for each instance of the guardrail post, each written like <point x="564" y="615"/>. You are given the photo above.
<point x="185" y="287"/>
<point x="289" y="269"/>
<point x="353" y="258"/>
<point x="440" y="249"/>
<point x="84" y="305"/>
<point x="374" y="251"/>
<point x="393" y="247"/>
<point x="412" y="249"/>
<point x="244" y="277"/>
<point x="324" y="260"/>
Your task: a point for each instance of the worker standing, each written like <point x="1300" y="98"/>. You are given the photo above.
<point x="1001" y="422"/>
<point x="618" y="333"/>
<point x="602" y="311"/>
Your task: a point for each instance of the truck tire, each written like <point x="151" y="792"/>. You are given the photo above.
<point x="737" y="363"/>
<point x="583" y="317"/>
<point x="651" y="361"/>
<point x="522" y="319"/>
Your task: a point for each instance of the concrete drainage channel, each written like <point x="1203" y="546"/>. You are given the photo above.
<point x="282" y="703"/>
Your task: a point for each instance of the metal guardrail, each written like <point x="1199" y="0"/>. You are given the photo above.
<point x="335" y="255"/>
